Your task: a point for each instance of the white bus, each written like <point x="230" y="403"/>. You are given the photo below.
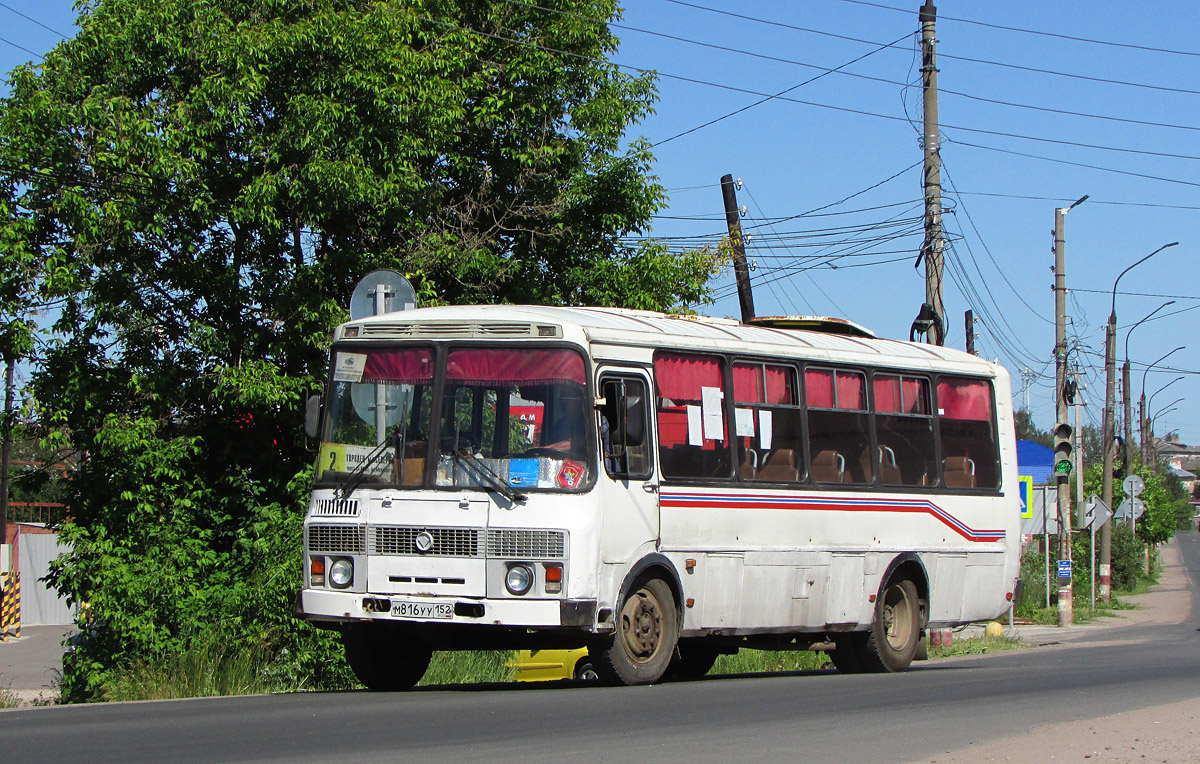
<point x="660" y="489"/>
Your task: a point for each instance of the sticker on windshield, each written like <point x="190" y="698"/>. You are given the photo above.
<point x="349" y="367"/>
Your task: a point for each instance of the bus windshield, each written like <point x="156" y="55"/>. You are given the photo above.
<point x="509" y="419"/>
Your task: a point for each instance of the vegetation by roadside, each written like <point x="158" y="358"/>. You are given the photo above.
<point x="767" y="661"/>
<point x="975" y="646"/>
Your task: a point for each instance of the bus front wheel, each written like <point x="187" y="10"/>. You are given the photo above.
<point x="891" y="643"/>
<point x="383" y="659"/>
<point x="643" y="643"/>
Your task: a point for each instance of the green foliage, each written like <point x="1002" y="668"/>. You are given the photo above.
<point x="484" y="667"/>
<point x="1164" y="499"/>
<point x="201" y="184"/>
<point x="747" y="661"/>
<point x="975" y="646"/>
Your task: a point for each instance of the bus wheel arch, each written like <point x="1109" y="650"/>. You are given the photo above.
<point x="647" y="622"/>
<point x="901" y="612"/>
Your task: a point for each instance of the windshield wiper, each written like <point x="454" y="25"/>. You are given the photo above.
<point x="359" y="474"/>
<point x="490" y="477"/>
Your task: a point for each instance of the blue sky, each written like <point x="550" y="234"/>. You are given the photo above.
<point x="1016" y="144"/>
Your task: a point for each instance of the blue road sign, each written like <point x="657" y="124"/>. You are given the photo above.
<point x="1064" y="568"/>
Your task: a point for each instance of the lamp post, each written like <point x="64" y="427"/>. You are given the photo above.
<point x="1147" y="446"/>
<point x="1127" y="394"/>
<point x="1166" y="409"/>
<point x="1107" y="436"/>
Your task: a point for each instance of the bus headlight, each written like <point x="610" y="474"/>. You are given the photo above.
<point x="519" y="579"/>
<point x="341" y="573"/>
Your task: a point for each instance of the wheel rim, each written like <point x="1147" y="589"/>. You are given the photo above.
<point x="641" y="626"/>
<point x="898" y="618"/>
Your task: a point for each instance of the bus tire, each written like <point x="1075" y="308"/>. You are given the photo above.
<point x="644" y="640"/>
<point x="891" y="643"/>
<point x="693" y="659"/>
<point x="382" y="659"/>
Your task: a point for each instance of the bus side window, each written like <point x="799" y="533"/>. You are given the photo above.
<point x="625" y="449"/>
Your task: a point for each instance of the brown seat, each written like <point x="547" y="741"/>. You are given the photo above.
<point x="829" y="466"/>
<point x="780" y="466"/>
<point x="958" y="472"/>
<point x="889" y="472"/>
<point x="749" y="467"/>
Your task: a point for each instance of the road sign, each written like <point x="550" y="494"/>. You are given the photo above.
<point x="1132" y="506"/>
<point x="1095" y="513"/>
<point x="1025" y="488"/>
<point x="1064" y="568"/>
<point x="1133" y="485"/>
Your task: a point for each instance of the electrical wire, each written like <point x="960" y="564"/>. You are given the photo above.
<point x="1033" y="31"/>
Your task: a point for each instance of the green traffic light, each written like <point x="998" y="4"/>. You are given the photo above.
<point x="1062" y="467"/>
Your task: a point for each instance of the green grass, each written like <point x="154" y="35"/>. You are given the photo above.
<point x="9" y="700"/>
<point x="767" y="661"/>
<point x="470" y="668"/>
<point x="212" y="670"/>
<point x="975" y="646"/>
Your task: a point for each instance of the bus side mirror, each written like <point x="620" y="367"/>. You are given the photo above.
<point x="312" y="417"/>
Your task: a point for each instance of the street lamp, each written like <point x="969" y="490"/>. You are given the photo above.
<point x="1128" y="395"/>
<point x="1146" y="451"/>
<point x="1107" y="437"/>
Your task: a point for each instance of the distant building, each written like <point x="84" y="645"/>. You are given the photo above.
<point x="1036" y="461"/>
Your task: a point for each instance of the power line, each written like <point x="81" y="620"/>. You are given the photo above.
<point x="1034" y="31"/>
<point x="35" y="21"/>
<point x="940" y="54"/>
<point x="1075" y="164"/>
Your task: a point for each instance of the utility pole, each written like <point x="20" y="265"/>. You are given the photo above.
<point x="1128" y="418"/>
<point x="1079" y="450"/>
<point x="10" y="364"/>
<point x="740" y="271"/>
<point x="931" y="321"/>
<point x="1062" y="431"/>
<point x="1106" y="440"/>
<point x="971" y="332"/>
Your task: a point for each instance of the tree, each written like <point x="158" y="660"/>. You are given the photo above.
<point x="201" y="182"/>
<point x="1027" y="429"/>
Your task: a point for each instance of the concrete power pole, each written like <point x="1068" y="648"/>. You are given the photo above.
<point x="931" y="321"/>
<point x="970" y="318"/>
<point x="1062" y="431"/>
<point x="1128" y="418"/>
<point x="741" y="271"/>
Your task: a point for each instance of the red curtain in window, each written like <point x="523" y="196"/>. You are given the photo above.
<point x="680" y="377"/>
<point x="887" y="394"/>
<point x="916" y="396"/>
<point x="818" y="386"/>
<point x="748" y="384"/>
<point x="514" y="367"/>
<point x="411" y="366"/>
<point x="964" y="399"/>
<point x="850" y="391"/>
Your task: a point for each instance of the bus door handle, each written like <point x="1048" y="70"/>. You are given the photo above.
<point x="650" y="487"/>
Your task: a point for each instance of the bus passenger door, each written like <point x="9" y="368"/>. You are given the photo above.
<point x="628" y="486"/>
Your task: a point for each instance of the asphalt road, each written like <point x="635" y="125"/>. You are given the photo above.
<point x="805" y="717"/>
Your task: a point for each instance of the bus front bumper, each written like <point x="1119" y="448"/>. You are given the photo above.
<point x="321" y="605"/>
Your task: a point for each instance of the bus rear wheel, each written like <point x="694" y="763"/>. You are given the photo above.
<point x="383" y="659"/>
<point x="647" y="631"/>
<point x="891" y="643"/>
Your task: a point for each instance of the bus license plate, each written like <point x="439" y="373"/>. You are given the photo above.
<point x="410" y="609"/>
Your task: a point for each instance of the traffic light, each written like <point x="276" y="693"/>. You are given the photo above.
<point x="1062" y="449"/>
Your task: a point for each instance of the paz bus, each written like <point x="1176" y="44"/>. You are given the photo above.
<point x="692" y="486"/>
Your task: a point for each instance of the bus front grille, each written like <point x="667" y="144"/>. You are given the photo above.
<point x="343" y="539"/>
<point x="526" y="544"/>
<point x="446" y="542"/>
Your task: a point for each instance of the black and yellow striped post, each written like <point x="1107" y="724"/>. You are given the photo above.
<point x="10" y="607"/>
